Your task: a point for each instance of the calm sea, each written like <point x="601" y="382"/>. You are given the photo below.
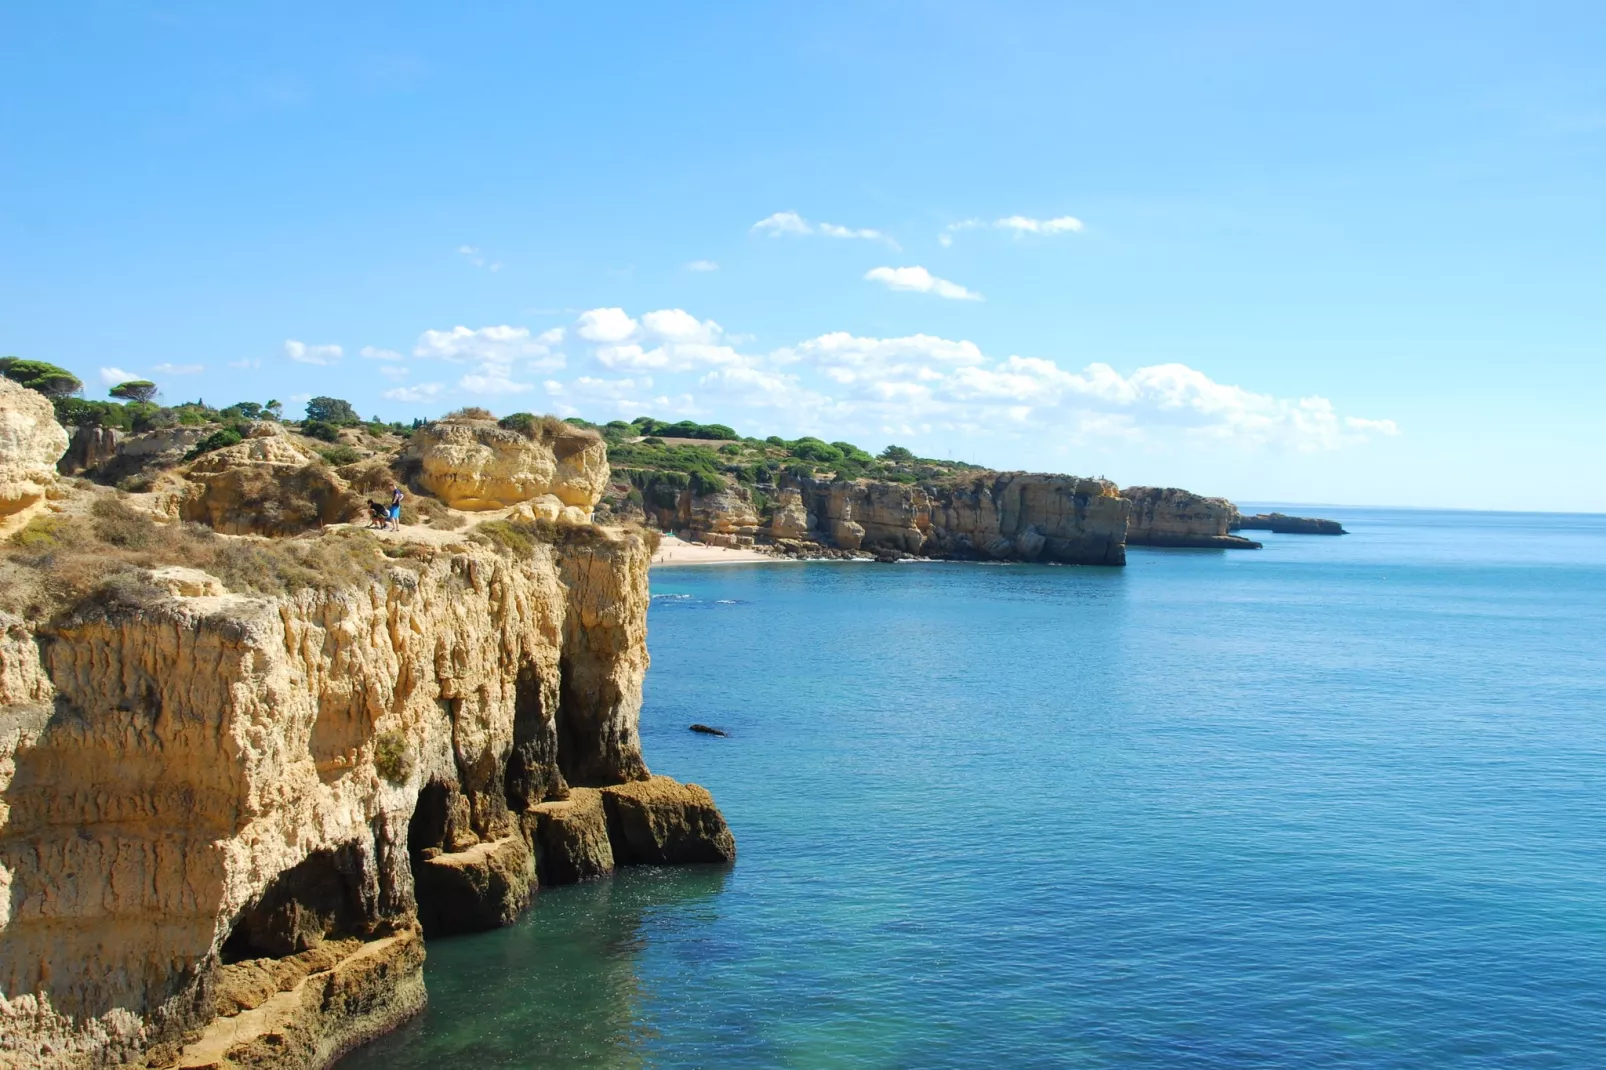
<point x="1340" y="802"/>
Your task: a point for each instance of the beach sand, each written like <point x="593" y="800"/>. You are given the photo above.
<point x="673" y="551"/>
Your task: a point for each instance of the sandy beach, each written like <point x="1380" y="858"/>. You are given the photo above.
<point x="673" y="551"/>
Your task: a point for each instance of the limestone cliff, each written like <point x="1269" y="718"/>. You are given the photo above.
<point x="31" y="441"/>
<point x="226" y="818"/>
<point x="1168" y="516"/>
<point x="1015" y="516"/>
<point x="474" y="464"/>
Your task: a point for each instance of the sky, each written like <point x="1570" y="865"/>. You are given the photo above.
<point x="1334" y="253"/>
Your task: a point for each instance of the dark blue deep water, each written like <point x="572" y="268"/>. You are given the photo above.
<point x="1341" y="802"/>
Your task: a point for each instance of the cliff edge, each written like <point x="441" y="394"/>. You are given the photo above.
<point x="235" y="798"/>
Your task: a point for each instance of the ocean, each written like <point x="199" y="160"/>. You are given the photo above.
<point x="1337" y="802"/>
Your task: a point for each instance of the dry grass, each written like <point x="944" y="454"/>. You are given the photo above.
<point x="519" y="538"/>
<point x="82" y="562"/>
<point x="468" y="412"/>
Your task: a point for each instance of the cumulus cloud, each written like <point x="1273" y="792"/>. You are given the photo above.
<point x="781" y="223"/>
<point x="375" y="353"/>
<point x="192" y="369"/>
<point x="919" y="280"/>
<point x="496" y="345"/>
<point x="113" y="376"/>
<point x="302" y="353"/>
<point x="702" y="265"/>
<point x="605" y="325"/>
<point x="394" y="371"/>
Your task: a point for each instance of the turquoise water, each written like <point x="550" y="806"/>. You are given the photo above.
<point x="1341" y="802"/>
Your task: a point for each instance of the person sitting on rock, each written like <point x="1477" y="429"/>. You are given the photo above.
<point x="395" y="506"/>
<point x="378" y="514"/>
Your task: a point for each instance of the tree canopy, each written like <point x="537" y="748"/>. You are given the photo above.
<point x="49" y="380"/>
<point x="134" y="390"/>
<point x="332" y="411"/>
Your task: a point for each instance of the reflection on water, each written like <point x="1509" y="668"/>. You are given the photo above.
<point x="562" y="987"/>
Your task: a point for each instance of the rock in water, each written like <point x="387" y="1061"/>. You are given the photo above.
<point x="1282" y="524"/>
<point x="707" y="731"/>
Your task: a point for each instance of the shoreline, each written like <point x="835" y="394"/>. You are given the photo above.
<point x="676" y="552"/>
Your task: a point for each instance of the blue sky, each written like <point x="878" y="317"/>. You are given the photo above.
<point x="1324" y="253"/>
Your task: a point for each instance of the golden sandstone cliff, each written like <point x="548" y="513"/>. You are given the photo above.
<point x="30" y="443"/>
<point x="230" y="815"/>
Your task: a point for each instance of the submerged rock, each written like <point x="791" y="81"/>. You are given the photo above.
<point x="707" y="731"/>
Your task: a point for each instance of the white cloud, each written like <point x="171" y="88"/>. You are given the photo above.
<point x="1381" y="427"/>
<point x="495" y="345"/>
<point x="783" y="223"/>
<point x="181" y="369"/>
<point x="605" y="325"/>
<point x="791" y="223"/>
<point x="302" y="353"/>
<point x="492" y="380"/>
<point x="394" y="371"/>
<point x="1023" y="225"/>
<point x="247" y="362"/>
<point x="375" y="353"/>
<point x="413" y="394"/>
<point x="1018" y="224"/>
<point x="678" y="325"/>
<point x="702" y="265"/>
<point x="113" y="376"/>
<point x="919" y="280"/>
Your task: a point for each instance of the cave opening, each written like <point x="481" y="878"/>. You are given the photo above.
<point x="319" y="898"/>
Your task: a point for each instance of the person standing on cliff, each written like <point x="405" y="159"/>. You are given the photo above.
<point x="395" y="506"/>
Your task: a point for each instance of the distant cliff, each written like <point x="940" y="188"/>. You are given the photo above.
<point x="1169" y="516"/>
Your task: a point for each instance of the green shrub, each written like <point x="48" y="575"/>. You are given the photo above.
<point x="322" y="430"/>
<point x="223" y="436"/>
<point x="339" y="455"/>
<point x="393" y="758"/>
<point x="332" y="411"/>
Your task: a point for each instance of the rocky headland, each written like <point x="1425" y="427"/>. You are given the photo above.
<point x="253" y="756"/>
<point x="1282" y="524"/>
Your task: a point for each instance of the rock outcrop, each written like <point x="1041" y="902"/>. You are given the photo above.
<point x="225" y="819"/>
<point x="266" y="485"/>
<point x="1169" y="516"/>
<point x="1282" y="524"/>
<point x="31" y="442"/>
<point x="475" y="464"/>
<point x="88" y="449"/>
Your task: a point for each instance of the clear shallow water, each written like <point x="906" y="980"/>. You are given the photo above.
<point x="1340" y="802"/>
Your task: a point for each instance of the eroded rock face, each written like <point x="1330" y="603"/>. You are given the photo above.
<point x="266" y="485"/>
<point x="1031" y="517"/>
<point x="474" y="464"/>
<point x="218" y="775"/>
<point x="31" y="442"/>
<point x="1169" y="516"/>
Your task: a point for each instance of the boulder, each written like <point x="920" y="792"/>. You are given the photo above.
<point x="791" y="519"/>
<point x="266" y="485"/>
<point x="660" y="821"/>
<point x="477" y="465"/>
<point x="484" y="887"/>
<point x="570" y="837"/>
<point x="31" y="442"/>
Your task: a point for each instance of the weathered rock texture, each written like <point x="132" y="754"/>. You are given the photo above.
<point x="474" y="464"/>
<point x="1282" y="524"/>
<point x="31" y="442"/>
<point x="1168" y="516"/>
<point x="266" y="485"/>
<point x="88" y="449"/>
<point x="207" y="780"/>
<point x="1005" y="516"/>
